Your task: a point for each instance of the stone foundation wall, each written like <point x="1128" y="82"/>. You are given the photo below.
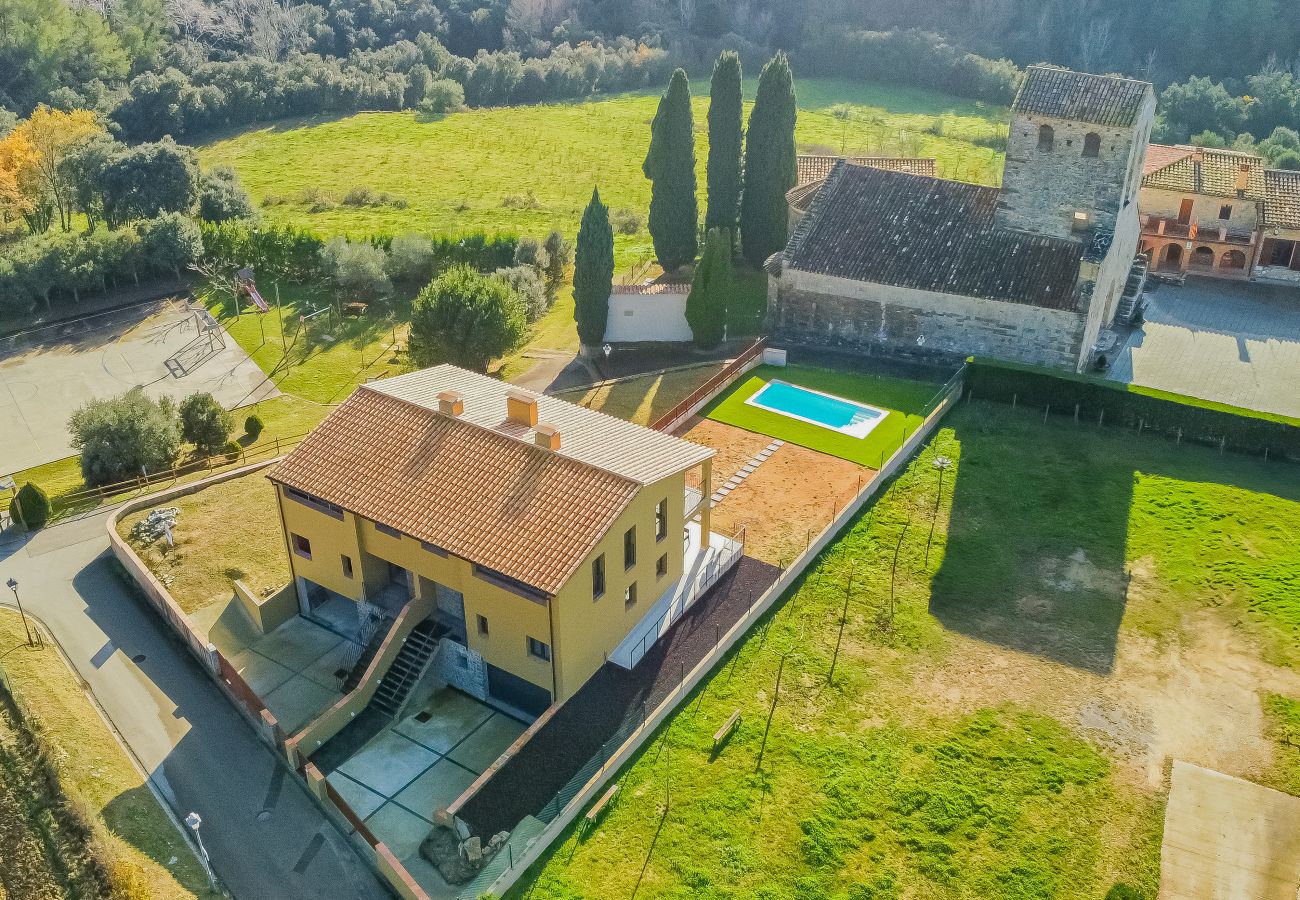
<point x="819" y="310"/>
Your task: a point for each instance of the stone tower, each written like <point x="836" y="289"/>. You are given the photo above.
<point x="1075" y="153"/>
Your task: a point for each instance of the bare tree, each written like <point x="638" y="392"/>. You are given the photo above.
<point x="270" y="29"/>
<point x="537" y="18"/>
<point x="1094" y="44"/>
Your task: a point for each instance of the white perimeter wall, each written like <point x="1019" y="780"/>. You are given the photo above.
<point x="647" y="317"/>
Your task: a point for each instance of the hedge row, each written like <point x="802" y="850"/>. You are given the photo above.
<point x="1112" y="403"/>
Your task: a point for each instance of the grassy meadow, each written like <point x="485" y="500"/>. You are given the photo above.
<point x="529" y="169"/>
<point x="972" y="742"/>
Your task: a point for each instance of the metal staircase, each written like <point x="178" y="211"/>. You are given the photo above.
<point x="407" y="668"/>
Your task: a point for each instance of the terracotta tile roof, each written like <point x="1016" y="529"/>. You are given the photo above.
<point x="1281" y="199"/>
<point x="1097" y="99"/>
<point x="615" y="445"/>
<point x="816" y="168"/>
<point x="1217" y="173"/>
<point x="654" y="287"/>
<point x="1161" y="155"/>
<point x="510" y="506"/>
<point x="932" y="235"/>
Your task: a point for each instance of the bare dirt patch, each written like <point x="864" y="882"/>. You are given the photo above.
<point x="786" y="500"/>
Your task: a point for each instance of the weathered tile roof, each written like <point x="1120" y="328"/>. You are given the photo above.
<point x="618" y="446"/>
<point x="515" y="508"/>
<point x="1217" y="173"/>
<point x="1160" y="155"/>
<point x="816" y="168"/>
<point x="1097" y="99"/>
<point x="1281" y="199"/>
<point x="932" y="235"/>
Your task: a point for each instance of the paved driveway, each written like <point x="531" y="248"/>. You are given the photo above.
<point x="1232" y="342"/>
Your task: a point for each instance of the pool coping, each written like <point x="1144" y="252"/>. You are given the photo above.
<point x="847" y="431"/>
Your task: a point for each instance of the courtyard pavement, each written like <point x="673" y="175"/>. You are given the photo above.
<point x="42" y="385"/>
<point x="427" y="760"/>
<point x="1226" y="341"/>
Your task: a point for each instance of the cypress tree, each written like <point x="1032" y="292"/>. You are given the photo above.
<point x="706" y="307"/>
<point x="725" y="140"/>
<point x="593" y="272"/>
<point x="770" y="163"/>
<point x="670" y="166"/>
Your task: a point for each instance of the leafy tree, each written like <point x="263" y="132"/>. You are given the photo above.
<point x="726" y="140"/>
<point x="84" y="168"/>
<point x="467" y="318"/>
<point x="527" y="284"/>
<point x="121" y="436"/>
<point x="1287" y="159"/>
<point x="1208" y="139"/>
<point x="670" y="166"/>
<point x="1274" y="95"/>
<point x="222" y="196"/>
<point x="357" y="268"/>
<point x="410" y="259"/>
<point x="45" y="45"/>
<point x="204" y="423"/>
<point x="31" y="506"/>
<point x="51" y="135"/>
<point x="1200" y="104"/>
<point x="706" y="307"/>
<point x="593" y="272"/>
<point x="530" y="252"/>
<point x="559" y="256"/>
<point x="442" y="96"/>
<point x="170" y="242"/>
<point x="148" y="180"/>
<point x="770" y="163"/>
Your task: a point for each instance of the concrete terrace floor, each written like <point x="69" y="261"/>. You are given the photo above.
<point x="1232" y="342"/>
<point x="397" y="780"/>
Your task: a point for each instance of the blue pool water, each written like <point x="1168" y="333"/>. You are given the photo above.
<point x="820" y="409"/>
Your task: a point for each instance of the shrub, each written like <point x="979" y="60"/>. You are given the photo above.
<point x="1122" y="891"/>
<point x="253" y="426"/>
<point x="357" y="268"/>
<point x="120" y="437"/>
<point x="204" y="423"/>
<point x="626" y="221"/>
<point x="410" y="258"/>
<point x="231" y="450"/>
<point x="527" y="284"/>
<point x="467" y="318"/>
<point x="222" y="196"/>
<point x="559" y="256"/>
<point x="442" y="96"/>
<point x="530" y="252"/>
<point x="30" y="506"/>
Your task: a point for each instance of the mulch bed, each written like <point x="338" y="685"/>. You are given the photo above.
<point x="612" y="699"/>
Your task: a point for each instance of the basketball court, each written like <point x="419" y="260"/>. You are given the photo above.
<point x="169" y="348"/>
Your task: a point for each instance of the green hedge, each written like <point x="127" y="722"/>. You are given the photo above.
<point x="1127" y="406"/>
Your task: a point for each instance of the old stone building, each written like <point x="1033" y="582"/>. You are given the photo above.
<point x="909" y="264"/>
<point x="814" y="170"/>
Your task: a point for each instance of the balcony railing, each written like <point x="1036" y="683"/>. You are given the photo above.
<point x="1212" y="232"/>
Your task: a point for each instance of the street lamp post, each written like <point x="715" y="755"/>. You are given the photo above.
<point x="193" y="821"/>
<point x="13" y="586"/>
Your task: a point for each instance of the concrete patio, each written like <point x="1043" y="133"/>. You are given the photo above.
<point x="293" y="668"/>
<point x="428" y="759"/>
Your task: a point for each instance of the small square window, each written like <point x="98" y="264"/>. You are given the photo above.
<point x="1225" y="212"/>
<point x="598" y="577"/>
<point x="629" y="548"/>
<point x="347" y="566"/>
<point x="482" y="625"/>
<point x="538" y="649"/>
<point x="301" y="546"/>
<point x="629" y="596"/>
<point x="661" y="566"/>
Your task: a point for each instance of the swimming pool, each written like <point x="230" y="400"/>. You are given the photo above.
<point x="815" y="408"/>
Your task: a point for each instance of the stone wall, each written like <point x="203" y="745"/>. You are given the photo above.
<point x="832" y="312"/>
<point x="1205" y="210"/>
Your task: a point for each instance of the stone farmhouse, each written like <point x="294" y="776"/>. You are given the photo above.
<point x="535" y="538"/>
<point x="1221" y="213"/>
<point x="908" y="264"/>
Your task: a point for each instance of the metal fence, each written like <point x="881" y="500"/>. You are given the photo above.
<point x="711" y="387"/>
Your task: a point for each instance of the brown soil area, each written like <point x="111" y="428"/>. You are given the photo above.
<point x="787" y="499"/>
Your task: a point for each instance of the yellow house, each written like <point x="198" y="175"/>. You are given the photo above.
<point x="549" y="537"/>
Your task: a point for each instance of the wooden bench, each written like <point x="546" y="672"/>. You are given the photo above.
<point x="720" y="736"/>
<point x="594" y="813"/>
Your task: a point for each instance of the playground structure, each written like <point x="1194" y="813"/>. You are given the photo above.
<point x="209" y="340"/>
<point x="245" y="286"/>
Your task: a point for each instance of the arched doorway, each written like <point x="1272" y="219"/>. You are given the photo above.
<point x="1232" y="259"/>
<point x="1203" y="258"/>
<point x="1171" y="257"/>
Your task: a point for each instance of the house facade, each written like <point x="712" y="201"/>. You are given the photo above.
<point x="541" y="532"/>
<point x="908" y="264"/>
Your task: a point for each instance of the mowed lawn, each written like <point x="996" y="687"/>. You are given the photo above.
<point x="532" y="168"/>
<point x="948" y="757"/>
<point x="905" y="401"/>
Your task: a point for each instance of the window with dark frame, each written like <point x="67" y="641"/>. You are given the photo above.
<point x="598" y="577"/>
<point x="1046" y="137"/>
<point x="347" y="566"/>
<point x="629" y="596"/>
<point x="1092" y="144"/>
<point x="629" y="548"/>
<point x="539" y="650"/>
<point x="661" y="520"/>
<point x="1225" y="212"/>
<point x="301" y="546"/>
<point x="661" y="566"/>
<point x="482" y="625"/>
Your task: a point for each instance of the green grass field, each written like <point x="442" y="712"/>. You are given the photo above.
<point x="905" y="400"/>
<point x="947" y="759"/>
<point x="529" y="169"/>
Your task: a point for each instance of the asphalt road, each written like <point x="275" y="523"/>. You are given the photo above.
<point x="265" y="834"/>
